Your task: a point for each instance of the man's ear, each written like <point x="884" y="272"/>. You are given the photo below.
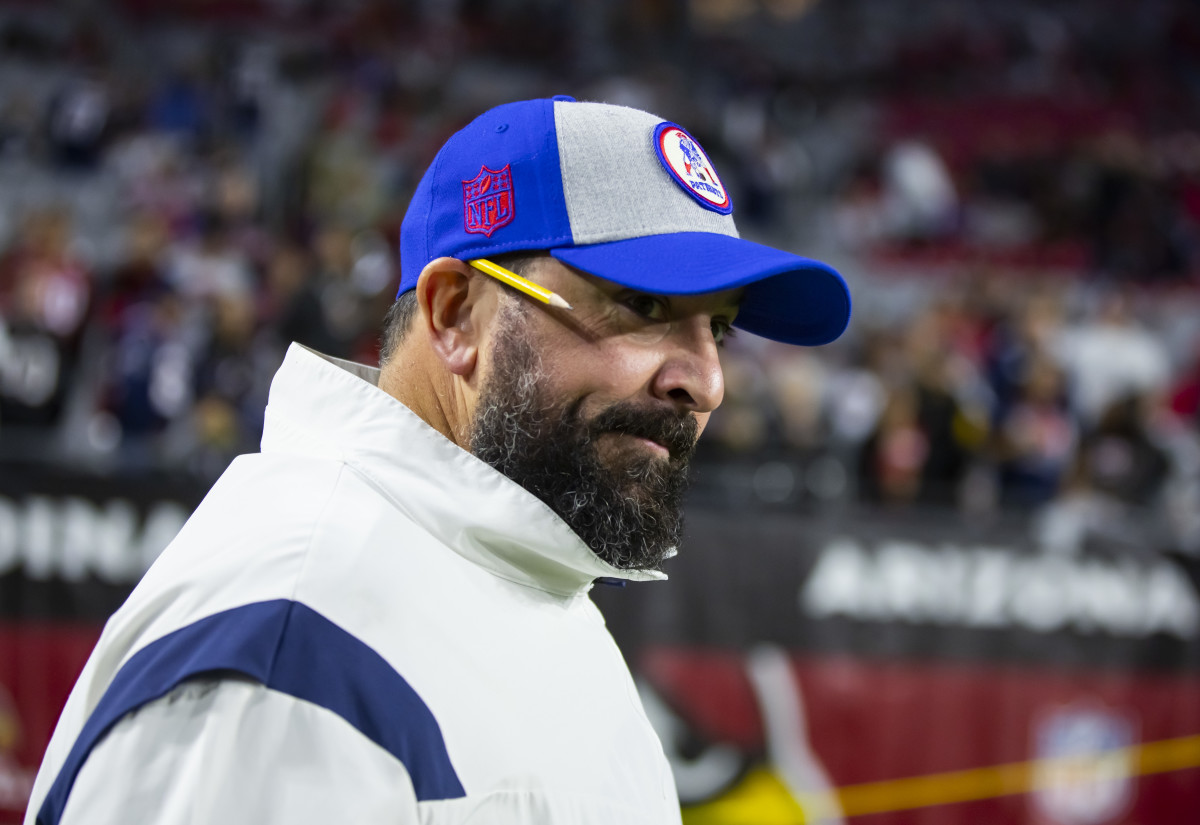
<point x="452" y="305"/>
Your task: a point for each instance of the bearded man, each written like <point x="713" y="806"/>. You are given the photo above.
<point x="384" y="615"/>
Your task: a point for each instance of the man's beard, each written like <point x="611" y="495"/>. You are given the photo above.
<point x="630" y="515"/>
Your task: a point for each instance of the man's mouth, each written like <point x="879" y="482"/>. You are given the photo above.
<point x="644" y="444"/>
<point x="654" y="446"/>
<point x="661" y="436"/>
<point x="628" y="443"/>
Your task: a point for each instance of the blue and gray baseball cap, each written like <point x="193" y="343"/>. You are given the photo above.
<point x="618" y="193"/>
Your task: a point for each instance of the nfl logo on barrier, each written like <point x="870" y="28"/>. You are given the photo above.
<point x="1085" y="773"/>
<point x="488" y="201"/>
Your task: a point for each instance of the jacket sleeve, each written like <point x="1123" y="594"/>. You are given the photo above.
<point x="231" y="751"/>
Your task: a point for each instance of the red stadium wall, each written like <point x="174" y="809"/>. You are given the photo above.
<point x="884" y="669"/>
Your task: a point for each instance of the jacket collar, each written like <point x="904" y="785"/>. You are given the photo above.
<point x="330" y="408"/>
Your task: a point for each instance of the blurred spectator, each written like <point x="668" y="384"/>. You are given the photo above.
<point x="343" y="298"/>
<point x="141" y="276"/>
<point x="1109" y="357"/>
<point x="77" y="124"/>
<point x="180" y="105"/>
<point x="1036" y="437"/>
<point x="45" y="293"/>
<point x="146" y="381"/>
<point x="210" y="267"/>
<point x="347" y="176"/>
<point x="746" y="421"/>
<point x="895" y="455"/>
<point x="296" y="309"/>
<point x="860" y="219"/>
<point x="235" y="200"/>
<point x="1131" y="220"/>
<point x="918" y="192"/>
<point x="921" y="447"/>
<point x="1119" y="458"/>
<point x="148" y="384"/>
<point x="157" y="175"/>
<point x="1018" y="338"/>
<point x="1185" y="394"/>
<point x="796" y="385"/>
<point x="247" y="83"/>
<point x="232" y="375"/>
<point x="855" y="396"/>
<point x="18" y="126"/>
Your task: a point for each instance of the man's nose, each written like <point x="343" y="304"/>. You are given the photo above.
<point x="690" y="375"/>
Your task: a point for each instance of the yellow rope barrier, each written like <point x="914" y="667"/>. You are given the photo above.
<point x="1001" y="780"/>
<point x="763" y="799"/>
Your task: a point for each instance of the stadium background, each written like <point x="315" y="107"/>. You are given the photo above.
<point x="946" y="570"/>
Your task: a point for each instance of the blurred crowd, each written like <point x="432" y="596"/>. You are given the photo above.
<point x="1013" y="191"/>
<point x="994" y="392"/>
<point x="1060" y="136"/>
<point x="1025" y="211"/>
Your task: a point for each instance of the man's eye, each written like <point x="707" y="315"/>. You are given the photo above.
<point x="722" y="331"/>
<point x="647" y="306"/>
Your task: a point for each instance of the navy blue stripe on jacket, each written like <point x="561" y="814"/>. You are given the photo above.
<point x="288" y="647"/>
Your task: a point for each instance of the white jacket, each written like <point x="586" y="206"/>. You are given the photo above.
<point x="361" y="623"/>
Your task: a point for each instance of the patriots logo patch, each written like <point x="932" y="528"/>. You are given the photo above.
<point x="488" y="201"/>
<point x="690" y="167"/>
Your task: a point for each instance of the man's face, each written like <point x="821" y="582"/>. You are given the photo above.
<point x="597" y="410"/>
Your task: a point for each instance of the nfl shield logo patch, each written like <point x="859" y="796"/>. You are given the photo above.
<point x="488" y="201"/>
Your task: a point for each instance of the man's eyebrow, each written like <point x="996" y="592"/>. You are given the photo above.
<point x="612" y="289"/>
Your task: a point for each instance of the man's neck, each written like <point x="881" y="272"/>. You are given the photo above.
<point x="430" y="392"/>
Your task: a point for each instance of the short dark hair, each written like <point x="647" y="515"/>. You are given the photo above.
<point x="399" y="318"/>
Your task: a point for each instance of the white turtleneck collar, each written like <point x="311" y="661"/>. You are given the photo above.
<point x="327" y="407"/>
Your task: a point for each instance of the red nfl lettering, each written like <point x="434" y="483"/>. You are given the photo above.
<point x="488" y="201"/>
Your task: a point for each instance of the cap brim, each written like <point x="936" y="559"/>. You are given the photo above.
<point x="788" y="298"/>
